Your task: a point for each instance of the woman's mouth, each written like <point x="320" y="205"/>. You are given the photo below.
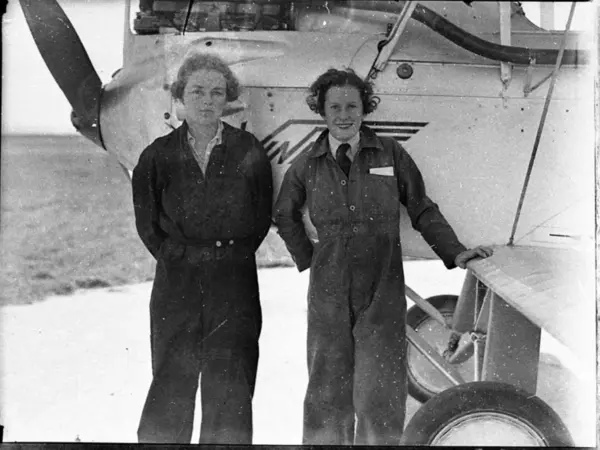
<point x="344" y="126"/>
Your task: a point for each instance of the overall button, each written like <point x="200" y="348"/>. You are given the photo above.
<point x="231" y="242"/>
<point x="344" y="183"/>
<point x="219" y="243"/>
<point x="199" y="181"/>
<point x="355" y="229"/>
<point x="352" y="207"/>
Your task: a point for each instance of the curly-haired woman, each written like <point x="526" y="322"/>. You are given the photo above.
<point x="353" y="183"/>
<point x="202" y="200"/>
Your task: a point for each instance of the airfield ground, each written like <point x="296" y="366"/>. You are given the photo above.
<point x="77" y="367"/>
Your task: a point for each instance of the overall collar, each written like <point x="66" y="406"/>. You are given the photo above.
<point x="354" y="143"/>
<point x="182" y="133"/>
<point x="368" y="139"/>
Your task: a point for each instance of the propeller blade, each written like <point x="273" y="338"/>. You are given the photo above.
<point x="68" y="62"/>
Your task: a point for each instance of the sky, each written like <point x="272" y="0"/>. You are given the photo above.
<point x="33" y="103"/>
<point x="31" y="100"/>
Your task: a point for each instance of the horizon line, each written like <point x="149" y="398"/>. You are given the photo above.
<point x="40" y="133"/>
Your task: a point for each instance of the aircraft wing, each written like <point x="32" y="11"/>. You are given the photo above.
<point x="552" y="287"/>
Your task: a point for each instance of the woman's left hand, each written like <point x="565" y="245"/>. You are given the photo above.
<point x="479" y="251"/>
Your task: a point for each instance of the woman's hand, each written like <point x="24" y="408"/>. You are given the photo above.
<point x="479" y="251"/>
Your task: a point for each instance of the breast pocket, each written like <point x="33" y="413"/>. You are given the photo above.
<point x="326" y="193"/>
<point x="231" y="196"/>
<point x="233" y="190"/>
<point x="380" y="195"/>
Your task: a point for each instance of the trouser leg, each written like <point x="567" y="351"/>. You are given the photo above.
<point x="227" y="387"/>
<point x="328" y="410"/>
<point x="168" y="413"/>
<point x="380" y="383"/>
<point x="232" y="325"/>
<point x="379" y="323"/>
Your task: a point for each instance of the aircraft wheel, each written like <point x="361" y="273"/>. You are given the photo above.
<point x="424" y="380"/>
<point x="486" y="413"/>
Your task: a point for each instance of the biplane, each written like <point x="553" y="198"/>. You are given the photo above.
<point x="497" y="112"/>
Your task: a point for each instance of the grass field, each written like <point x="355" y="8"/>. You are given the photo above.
<point x="67" y="221"/>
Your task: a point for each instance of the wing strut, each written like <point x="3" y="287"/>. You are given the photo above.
<point x="541" y="125"/>
<point x="387" y="47"/>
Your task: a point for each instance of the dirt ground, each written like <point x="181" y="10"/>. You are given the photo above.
<point x="77" y="368"/>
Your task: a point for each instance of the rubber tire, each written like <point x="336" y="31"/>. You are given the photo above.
<point x="481" y="396"/>
<point x="414" y="317"/>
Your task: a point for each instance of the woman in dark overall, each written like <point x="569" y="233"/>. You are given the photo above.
<point x="202" y="199"/>
<point x="353" y="182"/>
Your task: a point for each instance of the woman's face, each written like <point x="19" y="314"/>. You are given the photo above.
<point x="204" y="97"/>
<point x="343" y="112"/>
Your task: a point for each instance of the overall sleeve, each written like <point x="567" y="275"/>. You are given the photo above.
<point x="288" y="216"/>
<point x="424" y="214"/>
<point x="146" y="202"/>
<point x="262" y="187"/>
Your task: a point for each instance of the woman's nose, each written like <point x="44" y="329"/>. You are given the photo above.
<point x="207" y="99"/>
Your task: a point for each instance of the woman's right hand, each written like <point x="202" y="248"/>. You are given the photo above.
<point x="480" y="251"/>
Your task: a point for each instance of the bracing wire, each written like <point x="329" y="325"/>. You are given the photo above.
<point x="187" y="16"/>
<point x="541" y="125"/>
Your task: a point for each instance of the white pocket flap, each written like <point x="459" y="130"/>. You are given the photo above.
<point x="385" y="171"/>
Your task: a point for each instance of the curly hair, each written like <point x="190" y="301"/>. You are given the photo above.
<point x="199" y="61"/>
<point x="346" y="77"/>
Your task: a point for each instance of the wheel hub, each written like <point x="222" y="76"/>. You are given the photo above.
<point x="488" y="428"/>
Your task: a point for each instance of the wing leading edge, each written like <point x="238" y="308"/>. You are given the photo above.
<point x="552" y="287"/>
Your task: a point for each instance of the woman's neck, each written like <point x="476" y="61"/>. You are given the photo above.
<point x="203" y="131"/>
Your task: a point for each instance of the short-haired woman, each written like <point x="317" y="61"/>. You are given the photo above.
<point x="202" y="198"/>
<point x="353" y="182"/>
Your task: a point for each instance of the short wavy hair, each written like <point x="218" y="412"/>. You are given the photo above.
<point x="200" y="61"/>
<point x="346" y="77"/>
